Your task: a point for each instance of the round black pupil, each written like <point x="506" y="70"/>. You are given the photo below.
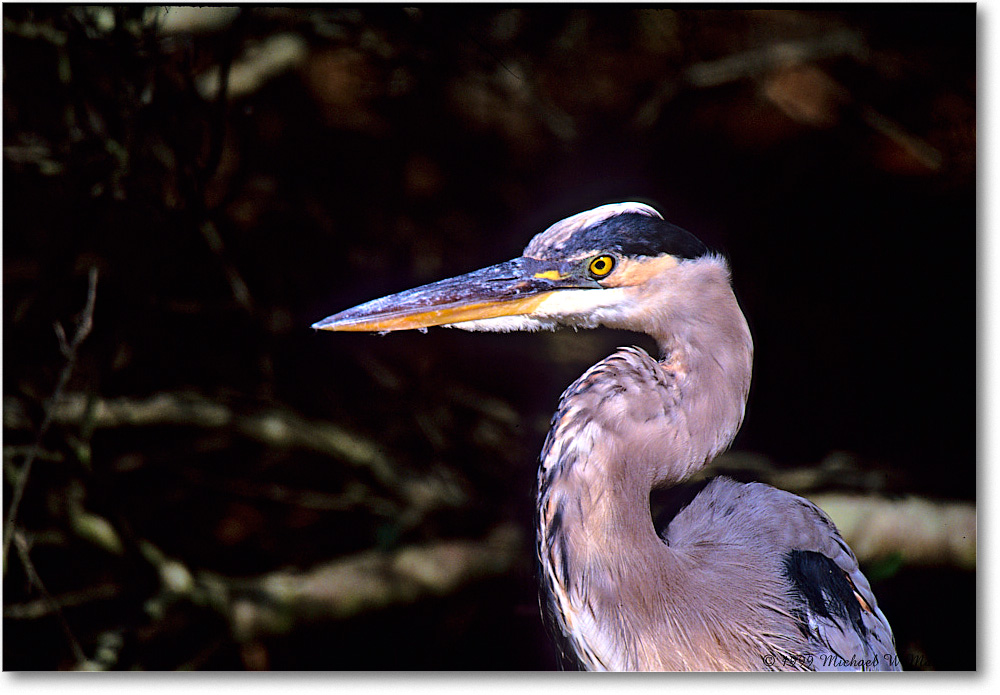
<point x="600" y="265"/>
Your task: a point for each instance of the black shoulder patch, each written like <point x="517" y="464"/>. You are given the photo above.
<point x="635" y="234"/>
<point x="824" y="589"/>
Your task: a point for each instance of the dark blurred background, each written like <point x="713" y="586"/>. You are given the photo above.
<point x="216" y="486"/>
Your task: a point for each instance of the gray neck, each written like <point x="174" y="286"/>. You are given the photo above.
<point x="629" y="424"/>
<point x="644" y="423"/>
<point x="706" y="349"/>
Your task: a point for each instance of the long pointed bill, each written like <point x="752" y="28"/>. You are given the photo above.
<point x="512" y="288"/>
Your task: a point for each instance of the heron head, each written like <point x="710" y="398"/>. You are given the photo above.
<point x="605" y="266"/>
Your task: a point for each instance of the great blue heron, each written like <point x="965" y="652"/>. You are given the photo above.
<point x="745" y="576"/>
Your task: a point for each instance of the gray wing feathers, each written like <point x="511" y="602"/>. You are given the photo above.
<point x="828" y="600"/>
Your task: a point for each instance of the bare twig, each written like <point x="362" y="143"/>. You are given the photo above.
<point x="29" y="569"/>
<point x="255" y="67"/>
<point x="752" y="63"/>
<point x="919" y="149"/>
<point x="39" y="608"/>
<point x="372" y="580"/>
<point x="354" y="496"/>
<point x="277" y="428"/>
<point x="198" y="661"/>
<point x="756" y="61"/>
<point x="69" y="350"/>
<point x="237" y="285"/>
<point x="369" y="581"/>
<point x="838" y="471"/>
<point x="35" y="30"/>
<point x="217" y="139"/>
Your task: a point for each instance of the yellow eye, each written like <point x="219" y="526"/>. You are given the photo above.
<point x="602" y="265"/>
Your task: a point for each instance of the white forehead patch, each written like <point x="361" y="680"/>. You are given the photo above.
<point x="562" y="230"/>
<point x="589" y="218"/>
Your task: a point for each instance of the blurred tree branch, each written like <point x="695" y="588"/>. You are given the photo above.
<point x="69" y="351"/>
<point x="39" y="608"/>
<point x="51" y="604"/>
<point x="274" y="603"/>
<point x="276" y="428"/>
<point x="367" y="581"/>
<point x="918" y="531"/>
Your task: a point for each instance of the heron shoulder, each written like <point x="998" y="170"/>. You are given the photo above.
<point x="789" y="539"/>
